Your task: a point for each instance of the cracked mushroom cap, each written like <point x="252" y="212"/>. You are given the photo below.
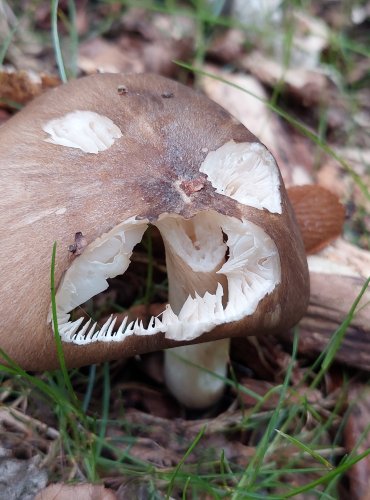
<point x="104" y="157"/>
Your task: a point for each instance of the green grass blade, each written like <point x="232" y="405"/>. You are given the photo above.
<point x="6" y="43"/>
<point x="55" y="394"/>
<point x="182" y="461"/>
<point x="329" y="476"/>
<point x="58" y="341"/>
<point x="314" y="454"/>
<point x="105" y="408"/>
<point x="73" y="35"/>
<point x="89" y="388"/>
<point x="251" y="473"/>
<point x="56" y="41"/>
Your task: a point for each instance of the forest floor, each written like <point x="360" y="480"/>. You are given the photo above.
<point x="294" y="419"/>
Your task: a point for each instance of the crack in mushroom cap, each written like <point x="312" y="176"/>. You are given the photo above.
<point x="252" y="271"/>
<point x="137" y="158"/>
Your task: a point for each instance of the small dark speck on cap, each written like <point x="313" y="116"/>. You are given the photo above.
<point x="79" y="244"/>
<point x="122" y="89"/>
<point x="167" y="95"/>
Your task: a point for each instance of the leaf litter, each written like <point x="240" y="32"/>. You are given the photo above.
<point x="145" y="425"/>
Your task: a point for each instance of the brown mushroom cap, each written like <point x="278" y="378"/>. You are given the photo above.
<point x="50" y="192"/>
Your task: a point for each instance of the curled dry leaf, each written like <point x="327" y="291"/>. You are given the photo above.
<point x="144" y="42"/>
<point x="100" y="55"/>
<point x="306" y="85"/>
<point x="227" y="46"/>
<point x="22" y="86"/>
<point x="247" y="106"/>
<point x="166" y="449"/>
<point x="319" y="213"/>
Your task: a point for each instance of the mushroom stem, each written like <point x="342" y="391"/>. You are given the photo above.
<point x="194" y="373"/>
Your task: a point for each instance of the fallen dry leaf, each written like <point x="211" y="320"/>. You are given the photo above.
<point x="337" y="275"/>
<point x="151" y="400"/>
<point x="99" y="55"/>
<point x="309" y="87"/>
<point x="247" y="106"/>
<point x="357" y="428"/>
<point x="292" y="151"/>
<point x="264" y="357"/>
<point x="163" y="442"/>
<point x="261" y="387"/>
<point x="147" y="43"/>
<point x="22" y="86"/>
<point x="227" y="46"/>
<point x="61" y="491"/>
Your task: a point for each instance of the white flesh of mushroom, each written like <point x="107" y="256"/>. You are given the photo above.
<point x="85" y="130"/>
<point x="246" y="172"/>
<point x="211" y="281"/>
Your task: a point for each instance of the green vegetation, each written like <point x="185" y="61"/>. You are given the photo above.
<point x="289" y="441"/>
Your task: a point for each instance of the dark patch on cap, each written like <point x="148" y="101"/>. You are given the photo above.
<point x="122" y="89"/>
<point x="79" y="245"/>
<point x="192" y="186"/>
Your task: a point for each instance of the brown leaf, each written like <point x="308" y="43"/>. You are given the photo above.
<point x="227" y="46"/>
<point x="148" y="43"/>
<point x="4" y="116"/>
<point x="292" y="151"/>
<point x="60" y="491"/>
<point x="332" y="295"/>
<point x="22" y="86"/>
<point x="151" y="400"/>
<point x="98" y="54"/>
<point x="308" y="86"/>
<point x="261" y="387"/>
<point x="263" y="356"/>
<point x="319" y="213"/>
<point x="357" y="427"/>
<point x="163" y="442"/>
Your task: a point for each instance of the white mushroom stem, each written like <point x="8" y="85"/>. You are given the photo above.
<point x="194" y="373"/>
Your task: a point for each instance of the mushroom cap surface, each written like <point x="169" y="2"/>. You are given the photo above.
<point x="156" y="134"/>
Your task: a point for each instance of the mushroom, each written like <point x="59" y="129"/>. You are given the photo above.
<point x="90" y="167"/>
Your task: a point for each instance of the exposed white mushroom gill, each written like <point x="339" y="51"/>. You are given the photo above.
<point x="106" y="257"/>
<point x="233" y="286"/>
<point x="246" y="172"/>
<point x="195" y="251"/>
